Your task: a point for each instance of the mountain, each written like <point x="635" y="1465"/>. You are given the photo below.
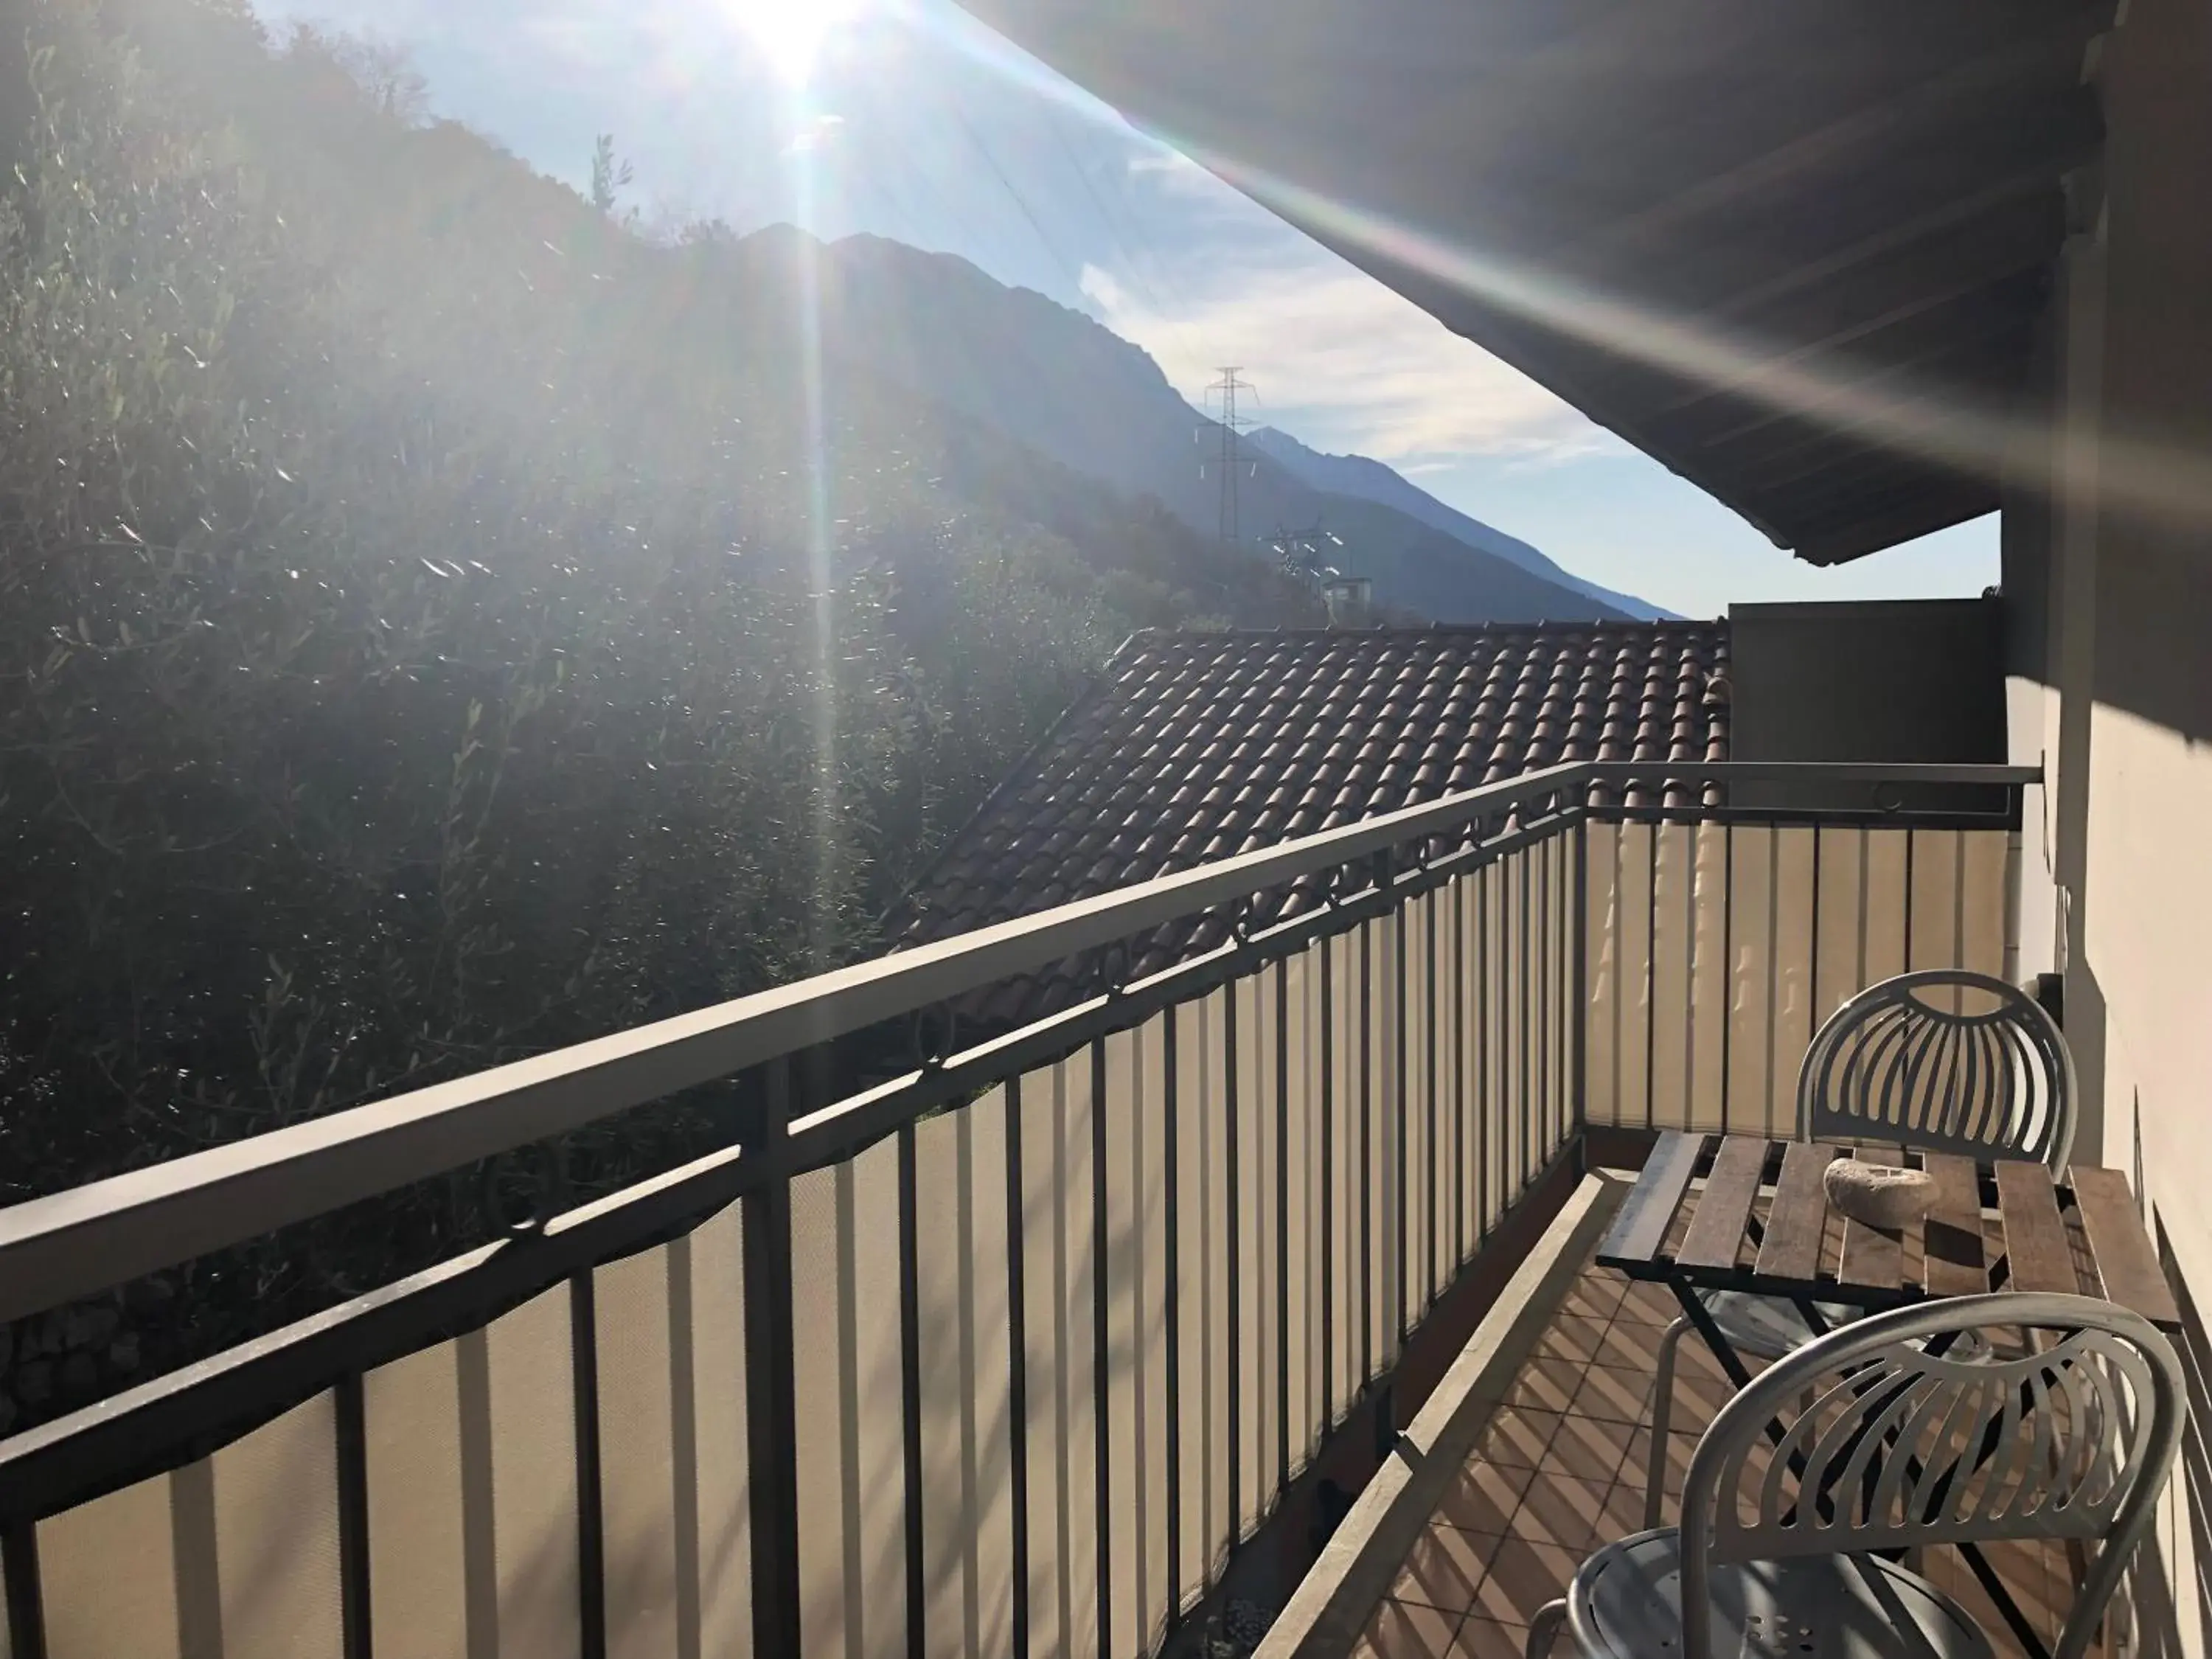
<point x="1060" y="383"/>
<point x="1371" y="480"/>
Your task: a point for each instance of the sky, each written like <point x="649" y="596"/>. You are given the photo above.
<point x="907" y="119"/>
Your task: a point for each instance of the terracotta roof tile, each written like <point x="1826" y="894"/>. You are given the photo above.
<point x="1195" y="746"/>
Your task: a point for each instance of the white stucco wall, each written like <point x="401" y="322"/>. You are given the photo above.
<point x="2126" y="728"/>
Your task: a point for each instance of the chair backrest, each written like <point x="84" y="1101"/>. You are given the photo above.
<point x="1945" y="1060"/>
<point x="1910" y="1436"/>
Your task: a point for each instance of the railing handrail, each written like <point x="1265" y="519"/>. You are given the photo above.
<point x="1916" y="772"/>
<point x="69" y="1245"/>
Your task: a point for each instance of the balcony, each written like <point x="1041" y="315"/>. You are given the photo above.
<point x="1062" y="1341"/>
<point x="1535" y="1451"/>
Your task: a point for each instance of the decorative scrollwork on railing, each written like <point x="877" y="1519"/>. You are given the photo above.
<point x="932" y="1036"/>
<point x="545" y="1188"/>
<point x="1106" y="968"/>
<point x="1331" y="886"/>
<point x="1384" y="866"/>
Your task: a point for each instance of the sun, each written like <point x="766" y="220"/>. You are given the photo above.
<point x="790" y="34"/>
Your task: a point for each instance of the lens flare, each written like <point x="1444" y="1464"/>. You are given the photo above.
<point x="791" y="34"/>
<point x="2140" y="473"/>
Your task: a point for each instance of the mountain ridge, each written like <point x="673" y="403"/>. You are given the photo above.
<point x="1059" y="382"/>
<point x="1369" y="479"/>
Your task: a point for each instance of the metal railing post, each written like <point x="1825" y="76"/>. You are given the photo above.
<point x="771" y="1398"/>
<point x="26" y="1599"/>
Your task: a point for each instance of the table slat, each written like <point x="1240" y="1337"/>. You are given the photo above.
<point x="1639" y="1231"/>
<point x="1717" y="1225"/>
<point x="1873" y="1256"/>
<point x="1797" y="1221"/>
<point x="1955" y="1263"/>
<point x="2035" y="1237"/>
<point x="2127" y="1265"/>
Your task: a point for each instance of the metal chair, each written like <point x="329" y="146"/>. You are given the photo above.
<point x="1943" y="1060"/>
<point x="1904" y="1445"/>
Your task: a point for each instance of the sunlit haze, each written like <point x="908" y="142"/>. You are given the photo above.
<point x="915" y="123"/>
<point x="791" y="34"/>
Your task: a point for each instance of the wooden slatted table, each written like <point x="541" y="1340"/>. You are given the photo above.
<point x="2003" y="1226"/>
<point x="2006" y="1226"/>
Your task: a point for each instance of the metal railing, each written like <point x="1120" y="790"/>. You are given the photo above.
<point x="1717" y="948"/>
<point x="1005" y="1354"/>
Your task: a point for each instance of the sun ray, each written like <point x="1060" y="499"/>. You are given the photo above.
<point x="791" y="34"/>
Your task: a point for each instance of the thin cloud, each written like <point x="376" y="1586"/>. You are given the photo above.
<point x="1345" y="362"/>
<point x="814" y="135"/>
<point x="1171" y="171"/>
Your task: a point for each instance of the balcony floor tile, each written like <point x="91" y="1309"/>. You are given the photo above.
<point x="1559" y="1472"/>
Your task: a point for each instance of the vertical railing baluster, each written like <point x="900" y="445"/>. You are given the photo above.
<point x="1812" y="965"/>
<point x="350" y="1412"/>
<point x="683" y="1446"/>
<point x="1489" y="1120"/>
<point x="1559" y="959"/>
<point x="1282" y="1221"/>
<point x="1432" y="1165"/>
<point x="1958" y="906"/>
<point x="1692" y="844"/>
<point x="1458" y="1071"/>
<point x="2008" y="944"/>
<point x="910" y="1276"/>
<point x="1366" y="1153"/>
<point x="1235" y="1102"/>
<point x="771" y="1401"/>
<point x="1616" y="846"/>
<point x="26" y="1595"/>
<point x="591" y="1522"/>
<point x="1399" y="1172"/>
<point x="1866" y="885"/>
<point x="1327" y="1188"/>
<point x="1565" y="998"/>
<point x="1579" y="1030"/>
<point x="1017" y="1390"/>
<point x="1500" y="1030"/>
<point x="1773" y="968"/>
<point x="1548" y="957"/>
<point x="1170" y="1199"/>
<point x="1728" y="966"/>
<point x="1908" y="898"/>
<point x="1521" y="999"/>
<point x="1651" y="978"/>
<point x="1558" y="955"/>
<point x="1102" y="1361"/>
<point x="1543" y="998"/>
<point x="1532" y="959"/>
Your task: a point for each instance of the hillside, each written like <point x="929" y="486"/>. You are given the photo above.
<point x="1371" y="480"/>
<point x="438" y="625"/>
<point x="1053" y="378"/>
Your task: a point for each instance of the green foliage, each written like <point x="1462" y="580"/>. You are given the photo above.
<point x="436" y="625"/>
<point x="608" y="175"/>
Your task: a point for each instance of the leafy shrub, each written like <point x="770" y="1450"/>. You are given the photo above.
<point x="437" y="625"/>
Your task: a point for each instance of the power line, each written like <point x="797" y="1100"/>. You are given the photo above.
<point x="1113" y="224"/>
<point x="1305" y="553"/>
<point x="1021" y="202"/>
<point x="1232" y="462"/>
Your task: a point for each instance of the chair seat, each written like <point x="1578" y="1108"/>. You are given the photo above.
<point x="1626" y="1601"/>
<point x="1768" y="1327"/>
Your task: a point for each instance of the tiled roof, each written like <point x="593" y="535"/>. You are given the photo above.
<point x="1195" y="747"/>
